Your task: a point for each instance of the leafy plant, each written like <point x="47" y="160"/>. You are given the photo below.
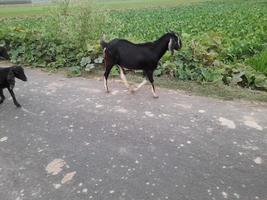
<point x="259" y="62"/>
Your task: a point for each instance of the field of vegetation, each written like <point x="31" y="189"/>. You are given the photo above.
<point x="224" y="41"/>
<point x="45" y="9"/>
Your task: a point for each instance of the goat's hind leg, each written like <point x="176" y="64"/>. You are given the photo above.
<point x="123" y="78"/>
<point x="106" y="74"/>
<point x="141" y="84"/>
<point x="109" y="63"/>
<point x="2" y="96"/>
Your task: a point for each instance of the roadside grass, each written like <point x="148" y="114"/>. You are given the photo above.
<point x="215" y="90"/>
<point x="259" y="62"/>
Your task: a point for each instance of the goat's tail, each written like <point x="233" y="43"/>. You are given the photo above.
<point x="103" y="44"/>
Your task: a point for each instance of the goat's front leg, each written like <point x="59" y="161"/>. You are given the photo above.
<point x="14" y="98"/>
<point x="123" y="78"/>
<point x="140" y="85"/>
<point x="2" y="96"/>
<point x="151" y="80"/>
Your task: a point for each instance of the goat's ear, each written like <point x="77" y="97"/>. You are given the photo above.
<point x="171" y="45"/>
<point x="11" y="79"/>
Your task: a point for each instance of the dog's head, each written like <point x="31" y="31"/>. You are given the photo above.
<point x="18" y="72"/>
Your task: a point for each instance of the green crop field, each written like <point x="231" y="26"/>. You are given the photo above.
<point x="224" y="41"/>
<point x="44" y="9"/>
<point x="22" y="10"/>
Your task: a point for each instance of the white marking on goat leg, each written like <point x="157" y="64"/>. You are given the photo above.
<point x="154" y="93"/>
<point x="106" y="85"/>
<point x="123" y="78"/>
<point x="140" y="85"/>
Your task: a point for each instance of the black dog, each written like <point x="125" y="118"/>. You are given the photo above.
<point x="7" y="80"/>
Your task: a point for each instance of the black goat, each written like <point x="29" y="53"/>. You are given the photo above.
<point x="7" y="80"/>
<point x="143" y="56"/>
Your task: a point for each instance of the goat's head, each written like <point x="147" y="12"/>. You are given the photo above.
<point x="175" y="42"/>
<point x="18" y="72"/>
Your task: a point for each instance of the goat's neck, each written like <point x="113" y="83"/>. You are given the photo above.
<point x="161" y="46"/>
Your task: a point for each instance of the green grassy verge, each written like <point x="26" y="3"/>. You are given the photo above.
<point x="214" y="90"/>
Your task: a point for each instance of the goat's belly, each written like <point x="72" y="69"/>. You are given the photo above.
<point x="131" y="63"/>
<point x="3" y="85"/>
<point x="131" y="67"/>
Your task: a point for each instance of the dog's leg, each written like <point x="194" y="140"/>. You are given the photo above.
<point x="2" y="96"/>
<point x="14" y="98"/>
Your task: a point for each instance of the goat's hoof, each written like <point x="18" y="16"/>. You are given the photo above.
<point x="135" y="89"/>
<point x="107" y="91"/>
<point x="18" y="105"/>
<point x="155" y="97"/>
<point x="132" y="91"/>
